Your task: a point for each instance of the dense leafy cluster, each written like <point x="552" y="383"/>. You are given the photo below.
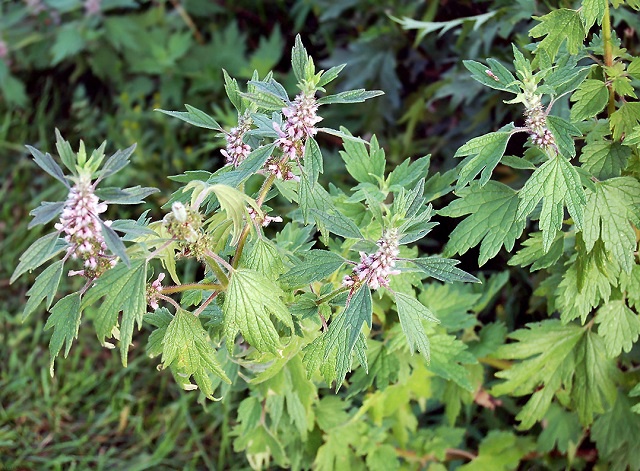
<point x="306" y="322"/>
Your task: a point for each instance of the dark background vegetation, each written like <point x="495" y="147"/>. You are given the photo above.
<point x="97" y="70"/>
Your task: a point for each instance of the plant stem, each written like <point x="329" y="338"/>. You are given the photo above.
<point x="169" y="300"/>
<point x="266" y="186"/>
<point x="188" y="286"/>
<point x="220" y="274"/>
<point x="207" y="301"/>
<point x="330" y="296"/>
<point x="608" y="55"/>
<point x="161" y="248"/>
<point x="220" y="260"/>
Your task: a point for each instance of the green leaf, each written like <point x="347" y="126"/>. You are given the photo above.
<point x="195" y="117"/>
<point x="188" y="349"/>
<point x="315" y="197"/>
<point x="500" y="451"/>
<point x="46" y="163"/>
<point x="558" y="26"/>
<point x="491" y="223"/>
<point x="558" y="183"/>
<point x="619" y="326"/>
<point x="264" y="258"/>
<point x="67" y="155"/>
<point x="273" y="89"/>
<point x="563" y="132"/>
<point x="233" y="92"/>
<point x="364" y="166"/>
<point x="249" y="166"/>
<point x="68" y="42"/>
<point x="408" y="173"/>
<point x="411" y="312"/>
<point x="45" y="286"/>
<point x="250" y="301"/>
<point x="610" y="211"/>
<point x="234" y="203"/>
<point x="133" y="195"/>
<point x="605" y="159"/>
<point x="533" y="252"/>
<point x="630" y="286"/>
<point x="38" y="253"/>
<point x="584" y="284"/>
<point x="547" y="351"/>
<point x="44" y="213"/>
<point x="506" y="81"/>
<point x="562" y="430"/>
<point x="160" y="319"/>
<point x="593" y="11"/>
<point x="624" y="119"/>
<point x="448" y="355"/>
<point x="350" y="96"/>
<point x="594" y="387"/>
<point x="116" y="162"/>
<point x="114" y="243"/>
<point x="337" y="223"/>
<point x="300" y="60"/>
<point x="451" y="304"/>
<point x="312" y="160"/>
<point x="590" y="99"/>
<point x="484" y="154"/>
<point x="65" y="321"/>
<point x="345" y="330"/>
<point x="615" y="434"/>
<point x="316" y="265"/>
<point x="123" y="289"/>
<point x="443" y="269"/>
<point x="330" y="75"/>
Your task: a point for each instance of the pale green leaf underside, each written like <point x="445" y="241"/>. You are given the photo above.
<point x="188" y="349"/>
<point x="250" y="301"/>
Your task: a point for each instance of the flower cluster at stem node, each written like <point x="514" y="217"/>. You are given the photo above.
<point x="81" y="225"/>
<point x="237" y="150"/>
<point x="536" y="123"/>
<point x="375" y="269"/>
<point x="300" y="120"/>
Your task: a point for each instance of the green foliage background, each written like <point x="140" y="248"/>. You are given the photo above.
<point x="97" y="76"/>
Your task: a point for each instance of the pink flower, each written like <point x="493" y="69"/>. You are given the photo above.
<point x="264" y="221"/>
<point x="299" y="125"/>
<point x="81" y="225"/>
<point x="375" y="269"/>
<point x="156" y="288"/>
<point x="236" y="150"/>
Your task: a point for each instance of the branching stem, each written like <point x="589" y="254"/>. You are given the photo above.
<point x="266" y="186"/>
<point x="330" y="296"/>
<point x="189" y="286"/>
<point x="207" y="301"/>
<point x="169" y="300"/>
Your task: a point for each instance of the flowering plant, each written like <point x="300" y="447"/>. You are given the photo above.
<point x="280" y="310"/>
<point x="279" y="294"/>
